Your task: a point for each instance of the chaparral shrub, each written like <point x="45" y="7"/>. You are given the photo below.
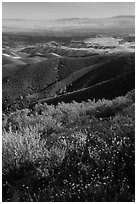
<point x="70" y="152"/>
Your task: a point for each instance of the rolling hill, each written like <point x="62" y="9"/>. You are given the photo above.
<point x="56" y="76"/>
<point x="108" y="89"/>
<point x="68" y="110"/>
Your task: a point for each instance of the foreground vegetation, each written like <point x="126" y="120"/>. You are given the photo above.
<point x="70" y="152"/>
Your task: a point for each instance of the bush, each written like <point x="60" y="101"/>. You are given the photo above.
<point x="71" y="152"/>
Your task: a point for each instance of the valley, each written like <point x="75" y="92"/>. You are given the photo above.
<point x="43" y="70"/>
<point x="68" y="110"/>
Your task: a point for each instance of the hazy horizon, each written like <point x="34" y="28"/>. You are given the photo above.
<point x="65" y="10"/>
<point x="19" y="19"/>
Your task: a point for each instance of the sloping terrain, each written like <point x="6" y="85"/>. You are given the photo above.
<point x="62" y="86"/>
<point x="31" y="78"/>
<point x="35" y="77"/>
<point x="91" y="75"/>
<point x="10" y="60"/>
<point x="68" y="121"/>
<point x="70" y="152"/>
<point x="68" y="102"/>
<point x="59" y="75"/>
<point x="10" y="69"/>
<point x="107" y="89"/>
<point x="114" y="67"/>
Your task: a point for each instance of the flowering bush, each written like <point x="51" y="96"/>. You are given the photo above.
<point x="70" y="152"/>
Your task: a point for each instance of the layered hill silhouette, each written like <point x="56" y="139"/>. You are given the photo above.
<point x="56" y="76"/>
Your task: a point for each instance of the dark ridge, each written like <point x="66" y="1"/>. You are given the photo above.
<point x="109" y="89"/>
<point x="34" y="77"/>
<point x="111" y="69"/>
<point x="54" y="77"/>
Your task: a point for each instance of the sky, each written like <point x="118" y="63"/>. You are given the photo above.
<point x="57" y="10"/>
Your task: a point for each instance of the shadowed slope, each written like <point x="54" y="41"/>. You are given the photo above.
<point x="55" y="76"/>
<point x="107" y="89"/>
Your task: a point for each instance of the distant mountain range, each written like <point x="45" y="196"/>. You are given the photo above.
<point x="23" y="25"/>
